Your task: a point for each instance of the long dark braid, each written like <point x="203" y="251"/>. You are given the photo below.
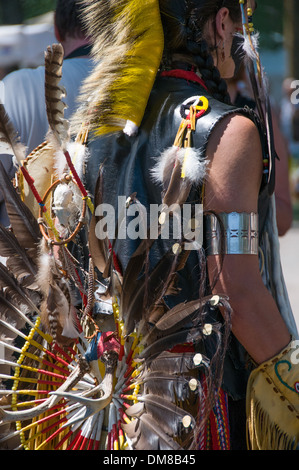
<point x="209" y="72"/>
<point x="183" y="23"/>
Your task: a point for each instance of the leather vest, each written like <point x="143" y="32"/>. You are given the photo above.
<point x="127" y="162"/>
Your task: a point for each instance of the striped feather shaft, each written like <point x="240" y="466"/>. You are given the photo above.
<point x="54" y="93"/>
<point x="8" y="281"/>
<point x="17" y="259"/>
<point x="19" y="312"/>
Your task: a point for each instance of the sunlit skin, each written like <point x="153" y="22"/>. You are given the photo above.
<point x="233" y="184"/>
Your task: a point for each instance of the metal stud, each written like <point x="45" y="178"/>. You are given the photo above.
<point x="207" y="329"/>
<point x="197" y="359"/>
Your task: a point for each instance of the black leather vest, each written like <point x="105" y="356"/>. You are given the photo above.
<point x="127" y="162"/>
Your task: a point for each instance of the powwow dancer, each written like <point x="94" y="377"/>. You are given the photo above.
<point x="174" y="341"/>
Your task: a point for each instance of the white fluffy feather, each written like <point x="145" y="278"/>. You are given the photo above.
<point x="130" y="129"/>
<point x="60" y="165"/>
<point x="69" y="324"/>
<point x="79" y="155"/>
<point x="164" y="164"/>
<point x="45" y="264"/>
<point x="64" y="206"/>
<point x="251" y="45"/>
<point x="194" y="164"/>
<point x="193" y="160"/>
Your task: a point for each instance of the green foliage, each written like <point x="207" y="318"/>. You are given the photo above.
<point x="268" y="20"/>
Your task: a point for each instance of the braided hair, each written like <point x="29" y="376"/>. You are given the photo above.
<point x="183" y="23"/>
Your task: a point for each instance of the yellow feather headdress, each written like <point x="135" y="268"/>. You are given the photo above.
<point x="128" y="44"/>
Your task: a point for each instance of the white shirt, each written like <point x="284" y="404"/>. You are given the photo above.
<point x="24" y="95"/>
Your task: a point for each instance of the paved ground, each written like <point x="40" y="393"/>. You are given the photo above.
<point x="289" y="251"/>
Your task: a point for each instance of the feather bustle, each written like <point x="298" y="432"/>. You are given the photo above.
<point x="145" y="435"/>
<point x="9" y="140"/>
<point x="23" y="223"/>
<point x="17" y="260"/>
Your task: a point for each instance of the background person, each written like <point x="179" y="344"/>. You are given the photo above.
<point x="25" y="89"/>
<point x="241" y="95"/>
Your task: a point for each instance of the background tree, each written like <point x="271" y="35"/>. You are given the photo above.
<point x="17" y="11"/>
<point x="11" y="12"/>
<point x="268" y="20"/>
<point x="291" y="35"/>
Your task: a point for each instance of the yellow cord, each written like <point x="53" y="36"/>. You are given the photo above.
<point x="17" y="379"/>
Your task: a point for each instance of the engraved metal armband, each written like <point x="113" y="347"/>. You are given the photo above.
<point x="231" y="233"/>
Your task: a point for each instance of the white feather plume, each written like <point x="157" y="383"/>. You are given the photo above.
<point x="194" y="164"/>
<point x="251" y="45"/>
<point x="164" y="164"/>
<point x="79" y="154"/>
<point x="190" y="158"/>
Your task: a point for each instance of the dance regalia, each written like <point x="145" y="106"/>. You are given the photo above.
<point x="116" y="343"/>
<point x="127" y="163"/>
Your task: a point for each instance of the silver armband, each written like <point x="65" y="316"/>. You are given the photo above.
<point x="234" y="233"/>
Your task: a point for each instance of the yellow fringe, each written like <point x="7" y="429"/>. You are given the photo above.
<point x="264" y="434"/>
<point x="272" y="404"/>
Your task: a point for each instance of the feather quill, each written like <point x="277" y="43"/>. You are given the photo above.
<point x="174" y="387"/>
<point x="24" y="225"/>
<point x="57" y="311"/>
<point x="169" y="416"/>
<point x="17" y="260"/>
<point x="9" y="140"/>
<point x="145" y="435"/>
<point x="15" y="290"/>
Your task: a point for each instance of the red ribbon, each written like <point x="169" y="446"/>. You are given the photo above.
<point x="187" y="75"/>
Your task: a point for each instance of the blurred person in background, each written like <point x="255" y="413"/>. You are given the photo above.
<point x="25" y="88"/>
<point x="241" y="95"/>
<point x="289" y="123"/>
